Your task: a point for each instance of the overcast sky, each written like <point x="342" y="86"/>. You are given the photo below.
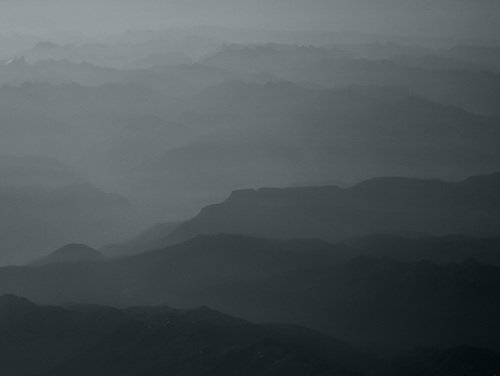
<point x="449" y="18"/>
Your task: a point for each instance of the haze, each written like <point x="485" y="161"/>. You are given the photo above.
<point x="249" y="187"/>
<point x="441" y="18"/>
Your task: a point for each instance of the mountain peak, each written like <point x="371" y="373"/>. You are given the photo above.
<point x="45" y="45"/>
<point x="70" y="253"/>
<point x="16" y="62"/>
<point x="10" y="302"/>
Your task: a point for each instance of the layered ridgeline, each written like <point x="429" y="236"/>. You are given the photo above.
<point x="281" y="134"/>
<point x="389" y="208"/>
<point x="45" y="204"/>
<point x="473" y="89"/>
<point x="375" y="302"/>
<point x="231" y="129"/>
<point x="99" y="340"/>
<point x="381" y="205"/>
<point x="156" y="276"/>
<point x="380" y="303"/>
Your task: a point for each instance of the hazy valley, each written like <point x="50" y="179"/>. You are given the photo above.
<point x="295" y="189"/>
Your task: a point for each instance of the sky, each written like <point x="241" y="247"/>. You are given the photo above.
<point x="443" y="18"/>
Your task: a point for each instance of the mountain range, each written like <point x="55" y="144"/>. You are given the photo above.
<point x="367" y="300"/>
<point x="100" y="340"/>
<point x="83" y="340"/>
<point x="56" y="216"/>
<point x="381" y="205"/>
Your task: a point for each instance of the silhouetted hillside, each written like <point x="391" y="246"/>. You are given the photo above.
<point x="82" y="340"/>
<point x="57" y="72"/>
<point x="461" y="360"/>
<point x="155" y="277"/>
<point x="279" y="134"/>
<point x="436" y="62"/>
<point x="380" y="303"/>
<point x="442" y="250"/>
<point x="195" y="160"/>
<point x="36" y="220"/>
<point x="70" y="253"/>
<point x="382" y="205"/>
<point x="155" y="237"/>
<point x="99" y="340"/>
<point x="475" y="91"/>
<point x="462" y="56"/>
<point x="124" y="54"/>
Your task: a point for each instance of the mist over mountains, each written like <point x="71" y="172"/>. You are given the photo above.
<point x="249" y="188"/>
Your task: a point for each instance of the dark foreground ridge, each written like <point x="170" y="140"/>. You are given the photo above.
<point x="86" y="340"/>
<point x="97" y="340"/>
<point x="371" y="300"/>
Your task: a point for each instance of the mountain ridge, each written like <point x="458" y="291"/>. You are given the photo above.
<point x="380" y="205"/>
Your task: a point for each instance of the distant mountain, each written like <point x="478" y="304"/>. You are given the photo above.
<point x="155" y="237"/>
<point x="383" y="50"/>
<point x="83" y="340"/>
<point x="45" y="50"/>
<point x="402" y="246"/>
<point x="462" y="360"/>
<point x="36" y="220"/>
<point x="379" y="303"/>
<point x="155" y="277"/>
<point x="69" y="97"/>
<point x="382" y="205"/>
<point x="395" y="137"/>
<point x="290" y="98"/>
<point x="481" y="55"/>
<point x="442" y="250"/>
<point x="475" y="91"/>
<point x="252" y="98"/>
<point x="57" y="72"/>
<point x="434" y="62"/>
<point x="143" y="138"/>
<point x="376" y="302"/>
<point x="281" y="133"/>
<point x="99" y="340"/>
<point x="212" y="33"/>
<point x="27" y="132"/>
<point x="347" y="133"/>
<point x="70" y="253"/>
<point x="268" y="58"/>
<point x="36" y="171"/>
<point x="221" y="162"/>
<point x="172" y="156"/>
<point x="123" y="54"/>
<point x="199" y="76"/>
<point x="466" y="56"/>
<point x="155" y="59"/>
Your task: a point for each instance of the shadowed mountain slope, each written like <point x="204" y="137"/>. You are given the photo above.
<point x="99" y="340"/>
<point x="382" y="205"/>
<point x="441" y="250"/>
<point x="70" y="253"/>
<point x="84" y="340"/>
<point x="156" y="276"/>
<point x="380" y="303"/>
<point x="36" y="220"/>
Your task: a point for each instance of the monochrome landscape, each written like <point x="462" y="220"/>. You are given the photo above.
<point x="265" y="188"/>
